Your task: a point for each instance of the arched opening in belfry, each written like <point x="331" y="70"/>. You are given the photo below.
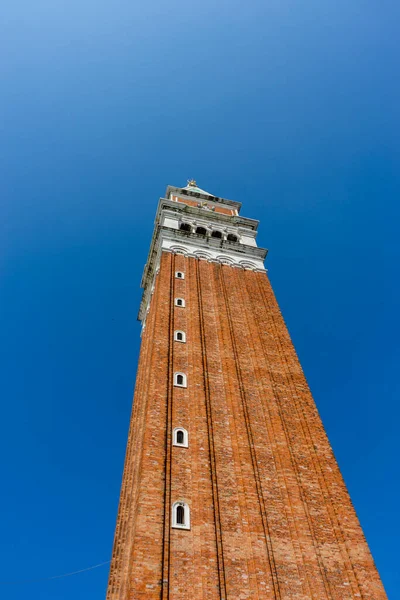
<point x="201" y="230"/>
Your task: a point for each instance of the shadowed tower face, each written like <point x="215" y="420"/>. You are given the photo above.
<point x="230" y="488"/>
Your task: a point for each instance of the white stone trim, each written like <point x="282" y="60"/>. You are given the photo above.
<point x="178" y="250"/>
<point x="201" y="254"/>
<point x="179" y="275"/>
<point x="175" y="524"/>
<point x="174" y="220"/>
<point x="185" y="443"/>
<point x="246" y="264"/>
<point x="183" y="305"/>
<point x="225" y="260"/>
<point x="176" y="336"/>
<point x="210" y="253"/>
<point x="168" y="238"/>
<point x="184" y="380"/>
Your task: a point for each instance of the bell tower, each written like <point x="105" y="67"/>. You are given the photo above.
<point x="230" y="488"/>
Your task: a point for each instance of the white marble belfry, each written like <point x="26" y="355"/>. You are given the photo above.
<point x="201" y="232"/>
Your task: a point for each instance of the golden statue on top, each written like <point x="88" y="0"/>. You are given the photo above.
<point x="192" y="182"/>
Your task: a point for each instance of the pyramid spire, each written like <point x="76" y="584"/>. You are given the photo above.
<point x="192" y="187"/>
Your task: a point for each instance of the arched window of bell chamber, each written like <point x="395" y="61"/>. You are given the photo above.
<point x="180" y="336"/>
<point x="201" y="230"/>
<point x="185" y="227"/>
<point x="180" y="437"/>
<point x="180" y="302"/>
<point x="180" y="515"/>
<point x="180" y="380"/>
<point x="216" y="234"/>
<point x="180" y="275"/>
<point x="232" y="237"/>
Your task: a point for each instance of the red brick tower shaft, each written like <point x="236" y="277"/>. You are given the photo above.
<point x="230" y="488"/>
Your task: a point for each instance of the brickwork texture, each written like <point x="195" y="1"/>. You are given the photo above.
<point x="271" y="517"/>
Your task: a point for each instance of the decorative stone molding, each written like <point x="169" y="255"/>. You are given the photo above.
<point x="168" y="237"/>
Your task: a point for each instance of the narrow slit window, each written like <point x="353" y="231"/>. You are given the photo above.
<point x="180" y="302"/>
<point x="180" y="515"/>
<point x="180" y="275"/>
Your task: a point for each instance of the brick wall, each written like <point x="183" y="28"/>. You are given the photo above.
<point x="218" y="209"/>
<point x="270" y="514"/>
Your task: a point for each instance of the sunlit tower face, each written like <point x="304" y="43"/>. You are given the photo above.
<point x="230" y="487"/>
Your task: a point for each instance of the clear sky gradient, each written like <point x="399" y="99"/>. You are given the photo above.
<point x="290" y="107"/>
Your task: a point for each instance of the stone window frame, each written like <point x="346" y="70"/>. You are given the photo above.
<point x="186" y="509"/>
<point x="175" y="442"/>
<point x="176" y="339"/>
<point x="183" y="303"/>
<point x="179" y="275"/>
<point x="184" y="383"/>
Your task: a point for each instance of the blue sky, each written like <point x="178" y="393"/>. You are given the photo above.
<point x="291" y="108"/>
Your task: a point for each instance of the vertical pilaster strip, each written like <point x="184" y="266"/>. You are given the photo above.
<point x="118" y="586"/>
<point x="273" y="565"/>
<point x="217" y="517"/>
<point x="251" y="565"/>
<point x="315" y="459"/>
<point x="205" y="547"/>
<point x="146" y="562"/>
<point x="255" y="343"/>
<point x="165" y="588"/>
<point x="330" y="592"/>
<point x="310" y="446"/>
